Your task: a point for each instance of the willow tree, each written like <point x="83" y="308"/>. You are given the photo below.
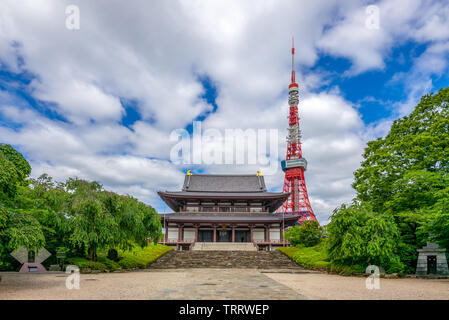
<point x="100" y="219"/>
<point x="358" y="236"/>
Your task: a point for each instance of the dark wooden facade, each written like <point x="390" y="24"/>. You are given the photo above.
<point x="224" y="208"/>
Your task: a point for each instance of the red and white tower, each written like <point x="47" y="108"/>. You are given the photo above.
<point x="294" y="164"/>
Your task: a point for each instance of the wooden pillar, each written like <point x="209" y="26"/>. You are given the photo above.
<point x="196" y="233"/>
<point x="166" y="233"/>
<point x="251" y="232"/>
<point x="215" y="233"/>
<point x="233" y="234"/>
<point x="179" y="232"/>
<point x="267" y="233"/>
<point x="282" y="234"/>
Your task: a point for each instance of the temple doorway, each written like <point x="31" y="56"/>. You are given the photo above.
<point x="206" y="236"/>
<point x="224" y="236"/>
<point x="431" y="264"/>
<point x="242" y="236"/>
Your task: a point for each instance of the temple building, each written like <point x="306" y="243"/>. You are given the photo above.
<point x="224" y="208"/>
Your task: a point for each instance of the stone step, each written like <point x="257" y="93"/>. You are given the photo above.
<point x="224" y="246"/>
<point x="224" y="259"/>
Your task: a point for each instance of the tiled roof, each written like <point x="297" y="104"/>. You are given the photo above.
<point x="249" y="195"/>
<point x="224" y="183"/>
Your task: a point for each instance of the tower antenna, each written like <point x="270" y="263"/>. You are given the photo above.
<point x="293" y="60"/>
<point x="295" y="165"/>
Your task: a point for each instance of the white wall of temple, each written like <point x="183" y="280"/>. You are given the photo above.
<point x="189" y="234"/>
<point x="259" y="234"/>
<point x="172" y="233"/>
<point x="275" y="234"/>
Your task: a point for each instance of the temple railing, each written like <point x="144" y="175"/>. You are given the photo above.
<point x="271" y="241"/>
<point x="170" y="241"/>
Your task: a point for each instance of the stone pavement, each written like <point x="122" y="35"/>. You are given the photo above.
<point x="197" y="284"/>
<point x="217" y="284"/>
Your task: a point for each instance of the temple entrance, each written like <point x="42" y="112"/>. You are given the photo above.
<point x="431" y="264"/>
<point x="224" y="236"/>
<point x="205" y="236"/>
<point x="242" y="236"/>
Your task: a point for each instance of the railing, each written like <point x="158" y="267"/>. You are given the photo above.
<point x="231" y="209"/>
<point x="272" y="241"/>
<point x="174" y="241"/>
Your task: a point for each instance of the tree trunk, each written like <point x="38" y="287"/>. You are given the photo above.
<point x="92" y="254"/>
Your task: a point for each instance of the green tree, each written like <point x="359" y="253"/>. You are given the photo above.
<point x="16" y="228"/>
<point x="309" y="234"/>
<point x="78" y="214"/>
<point x="358" y="236"/>
<point x="437" y="223"/>
<point x="406" y="174"/>
<point x="101" y="219"/>
<point x="47" y="201"/>
<point x="404" y="169"/>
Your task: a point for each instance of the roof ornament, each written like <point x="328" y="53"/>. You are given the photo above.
<point x="259" y="173"/>
<point x="189" y="172"/>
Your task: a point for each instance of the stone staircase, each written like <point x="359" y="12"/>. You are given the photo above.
<point x="224" y="259"/>
<point x="224" y="246"/>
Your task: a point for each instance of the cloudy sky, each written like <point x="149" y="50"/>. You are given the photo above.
<point x="100" y="102"/>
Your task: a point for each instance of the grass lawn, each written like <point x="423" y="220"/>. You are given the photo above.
<point x="128" y="259"/>
<point x="317" y="258"/>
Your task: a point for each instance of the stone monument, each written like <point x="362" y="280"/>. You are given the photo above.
<point x="31" y="259"/>
<point x="432" y="260"/>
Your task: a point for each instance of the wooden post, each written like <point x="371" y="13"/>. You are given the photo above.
<point x="215" y="233"/>
<point x="267" y="233"/>
<point x="179" y="232"/>
<point x="251" y="228"/>
<point x="233" y="233"/>
<point x="166" y="232"/>
<point x="196" y="233"/>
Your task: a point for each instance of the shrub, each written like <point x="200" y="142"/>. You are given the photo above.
<point x="137" y="257"/>
<point x="357" y="236"/>
<point x="112" y="255"/>
<point x="317" y="257"/>
<point x="142" y="257"/>
<point x="309" y="234"/>
<point x="83" y="264"/>
<point x="110" y="264"/>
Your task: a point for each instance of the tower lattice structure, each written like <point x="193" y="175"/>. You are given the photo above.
<point x="294" y="164"/>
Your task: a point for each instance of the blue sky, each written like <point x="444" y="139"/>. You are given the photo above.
<point x="101" y="102"/>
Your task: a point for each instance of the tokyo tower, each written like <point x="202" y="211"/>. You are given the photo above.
<point x="294" y="164"/>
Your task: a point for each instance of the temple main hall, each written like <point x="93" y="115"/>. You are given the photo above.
<point x="224" y="208"/>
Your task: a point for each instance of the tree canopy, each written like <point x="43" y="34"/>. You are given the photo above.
<point x="308" y="234"/>
<point x="357" y="235"/>
<point x="77" y="215"/>
<point x="406" y="169"/>
<point x="402" y="189"/>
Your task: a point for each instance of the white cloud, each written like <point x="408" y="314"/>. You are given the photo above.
<point x="154" y="54"/>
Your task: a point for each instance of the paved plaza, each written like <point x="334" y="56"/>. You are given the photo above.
<point x="217" y="284"/>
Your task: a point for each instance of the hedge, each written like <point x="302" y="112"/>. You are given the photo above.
<point x="135" y="258"/>
<point x="317" y="258"/>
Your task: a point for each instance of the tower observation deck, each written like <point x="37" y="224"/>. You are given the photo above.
<point x="294" y="164"/>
